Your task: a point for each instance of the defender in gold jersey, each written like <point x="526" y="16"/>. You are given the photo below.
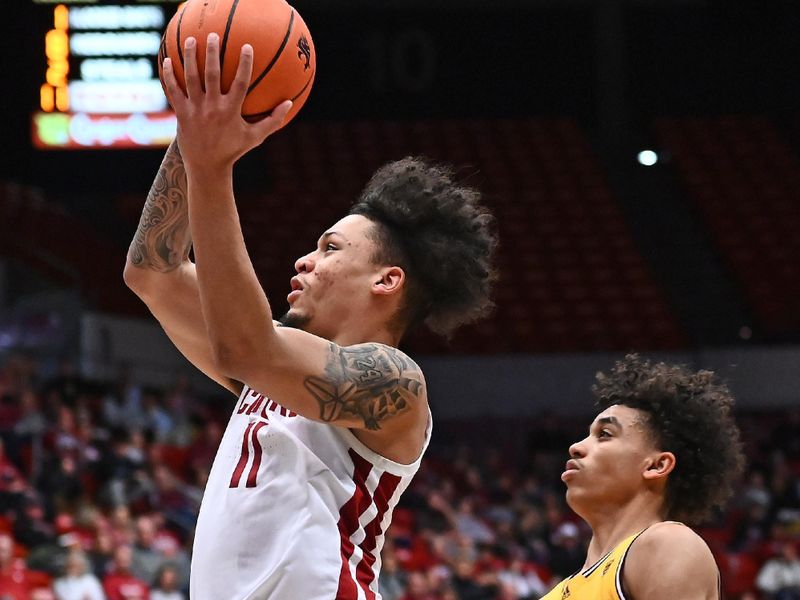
<point x="663" y="447"/>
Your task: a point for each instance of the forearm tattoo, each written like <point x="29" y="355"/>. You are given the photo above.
<point x="369" y="381"/>
<point x="163" y="240"/>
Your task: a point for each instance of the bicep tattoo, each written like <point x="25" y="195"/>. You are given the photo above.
<point x="371" y="382"/>
<point x="163" y="240"/>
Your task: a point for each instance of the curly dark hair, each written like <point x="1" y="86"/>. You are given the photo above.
<point x="689" y="414"/>
<point x="439" y="234"/>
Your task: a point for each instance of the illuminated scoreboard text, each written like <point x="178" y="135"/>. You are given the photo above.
<point x="100" y="86"/>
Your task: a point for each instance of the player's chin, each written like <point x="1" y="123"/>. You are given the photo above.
<point x="575" y="499"/>
<point x="295" y="318"/>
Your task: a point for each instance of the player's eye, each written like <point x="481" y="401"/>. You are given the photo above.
<point x="604" y="433"/>
<point x="329" y="247"/>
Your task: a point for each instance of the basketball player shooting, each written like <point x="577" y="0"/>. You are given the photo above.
<point x="664" y="449"/>
<point x="332" y="419"/>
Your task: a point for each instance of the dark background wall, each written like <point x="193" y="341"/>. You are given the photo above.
<point x="613" y="65"/>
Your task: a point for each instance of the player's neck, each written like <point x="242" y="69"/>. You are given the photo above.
<point x="618" y="523"/>
<point x="364" y="332"/>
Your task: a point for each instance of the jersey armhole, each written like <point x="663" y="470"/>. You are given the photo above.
<point x="618" y="578"/>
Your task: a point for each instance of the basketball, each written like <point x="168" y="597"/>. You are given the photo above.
<point x="284" y="60"/>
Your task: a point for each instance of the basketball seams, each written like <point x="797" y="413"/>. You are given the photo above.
<point x="178" y="34"/>
<point x="300" y="93"/>
<point x="275" y="58"/>
<point x="305" y="87"/>
<point x="228" y="25"/>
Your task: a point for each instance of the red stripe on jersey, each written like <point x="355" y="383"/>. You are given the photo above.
<point x="237" y="473"/>
<point x="256" y="404"/>
<point x="383" y="494"/>
<point x="348" y="525"/>
<point x="251" y="477"/>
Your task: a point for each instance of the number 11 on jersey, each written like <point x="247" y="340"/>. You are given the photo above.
<point x="250" y="435"/>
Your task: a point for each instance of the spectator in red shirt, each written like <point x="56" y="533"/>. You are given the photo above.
<point x="13" y="573"/>
<point x="120" y="584"/>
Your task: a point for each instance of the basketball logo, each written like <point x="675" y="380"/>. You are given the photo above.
<point x="304" y="52"/>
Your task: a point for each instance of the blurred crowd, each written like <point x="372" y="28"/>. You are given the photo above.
<point x="100" y="485"/>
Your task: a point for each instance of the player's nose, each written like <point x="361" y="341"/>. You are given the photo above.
<point x="577" y="450"/>
<point x="304" y="264"/>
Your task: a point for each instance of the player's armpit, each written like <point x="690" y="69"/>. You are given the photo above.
<point x="670" y="561"/>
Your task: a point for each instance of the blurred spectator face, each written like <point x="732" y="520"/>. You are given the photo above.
<point x="68" y="465"/>
<point x="389" y="562"/>
<point x="66" y="419"/>
<point x="464" y="569"/>
<point x="507" y="592"/>
<point x="145" y="531"/>
<point x="608" y="466"/>
<point x="466" y="506"/>
<point x="168" y="580"/>
<point x="789" y="552"/>
<point x="64" y="523"/>
<point x="437" y="577"/>
<point x="34" y="510"/>
<point x="121" y="517"/>
<point x="213" y="432"/>
<point x="75" y="565"/>
<point x="123" y="556"/>
<point x="417" y="584"/>
<point x="104" y="542"/>
<point x="29" y="401"/>
<point x="163" y="478"/>
<point x="6" y="549"/>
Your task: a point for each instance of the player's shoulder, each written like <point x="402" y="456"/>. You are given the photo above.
<point x="385" y="355"/>
<point x="669" y="536"/>
<point x="677" y="553"/>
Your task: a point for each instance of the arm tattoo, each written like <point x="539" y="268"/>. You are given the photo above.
<point x="163" y="240"/>
<point x="370" y="381"/>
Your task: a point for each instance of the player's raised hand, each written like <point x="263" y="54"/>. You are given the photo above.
<point x="211" y="130"/>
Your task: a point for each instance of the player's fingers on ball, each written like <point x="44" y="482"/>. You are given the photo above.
<point x="212" y="64"/>
<point x="193" y="87"/>
<point x="174" y="92"/>
<point x="280" y="112"/>
<point x="243" y="73"/>
<point x="273" y="122"/>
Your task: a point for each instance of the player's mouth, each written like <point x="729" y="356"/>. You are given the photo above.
<point x="570" y="469"/>
<point x="297" y="289"/>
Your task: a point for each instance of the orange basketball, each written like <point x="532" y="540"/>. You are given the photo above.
<point x="284" y="60"/>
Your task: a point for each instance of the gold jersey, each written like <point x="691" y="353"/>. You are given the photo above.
<point x="601" y="581"/>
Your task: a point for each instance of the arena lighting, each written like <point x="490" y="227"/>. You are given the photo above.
<point x="647" y="158"/>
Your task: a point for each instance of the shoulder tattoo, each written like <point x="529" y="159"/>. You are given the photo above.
<point x="371" y="382"/>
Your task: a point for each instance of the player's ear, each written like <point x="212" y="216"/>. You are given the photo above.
<point x="659" y="465"/>
<point x="390" y="280"/>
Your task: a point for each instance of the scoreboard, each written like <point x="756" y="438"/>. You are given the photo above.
<point x="99" y="76"/>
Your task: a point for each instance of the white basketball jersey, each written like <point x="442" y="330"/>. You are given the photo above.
<point x="294" y="509"/>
